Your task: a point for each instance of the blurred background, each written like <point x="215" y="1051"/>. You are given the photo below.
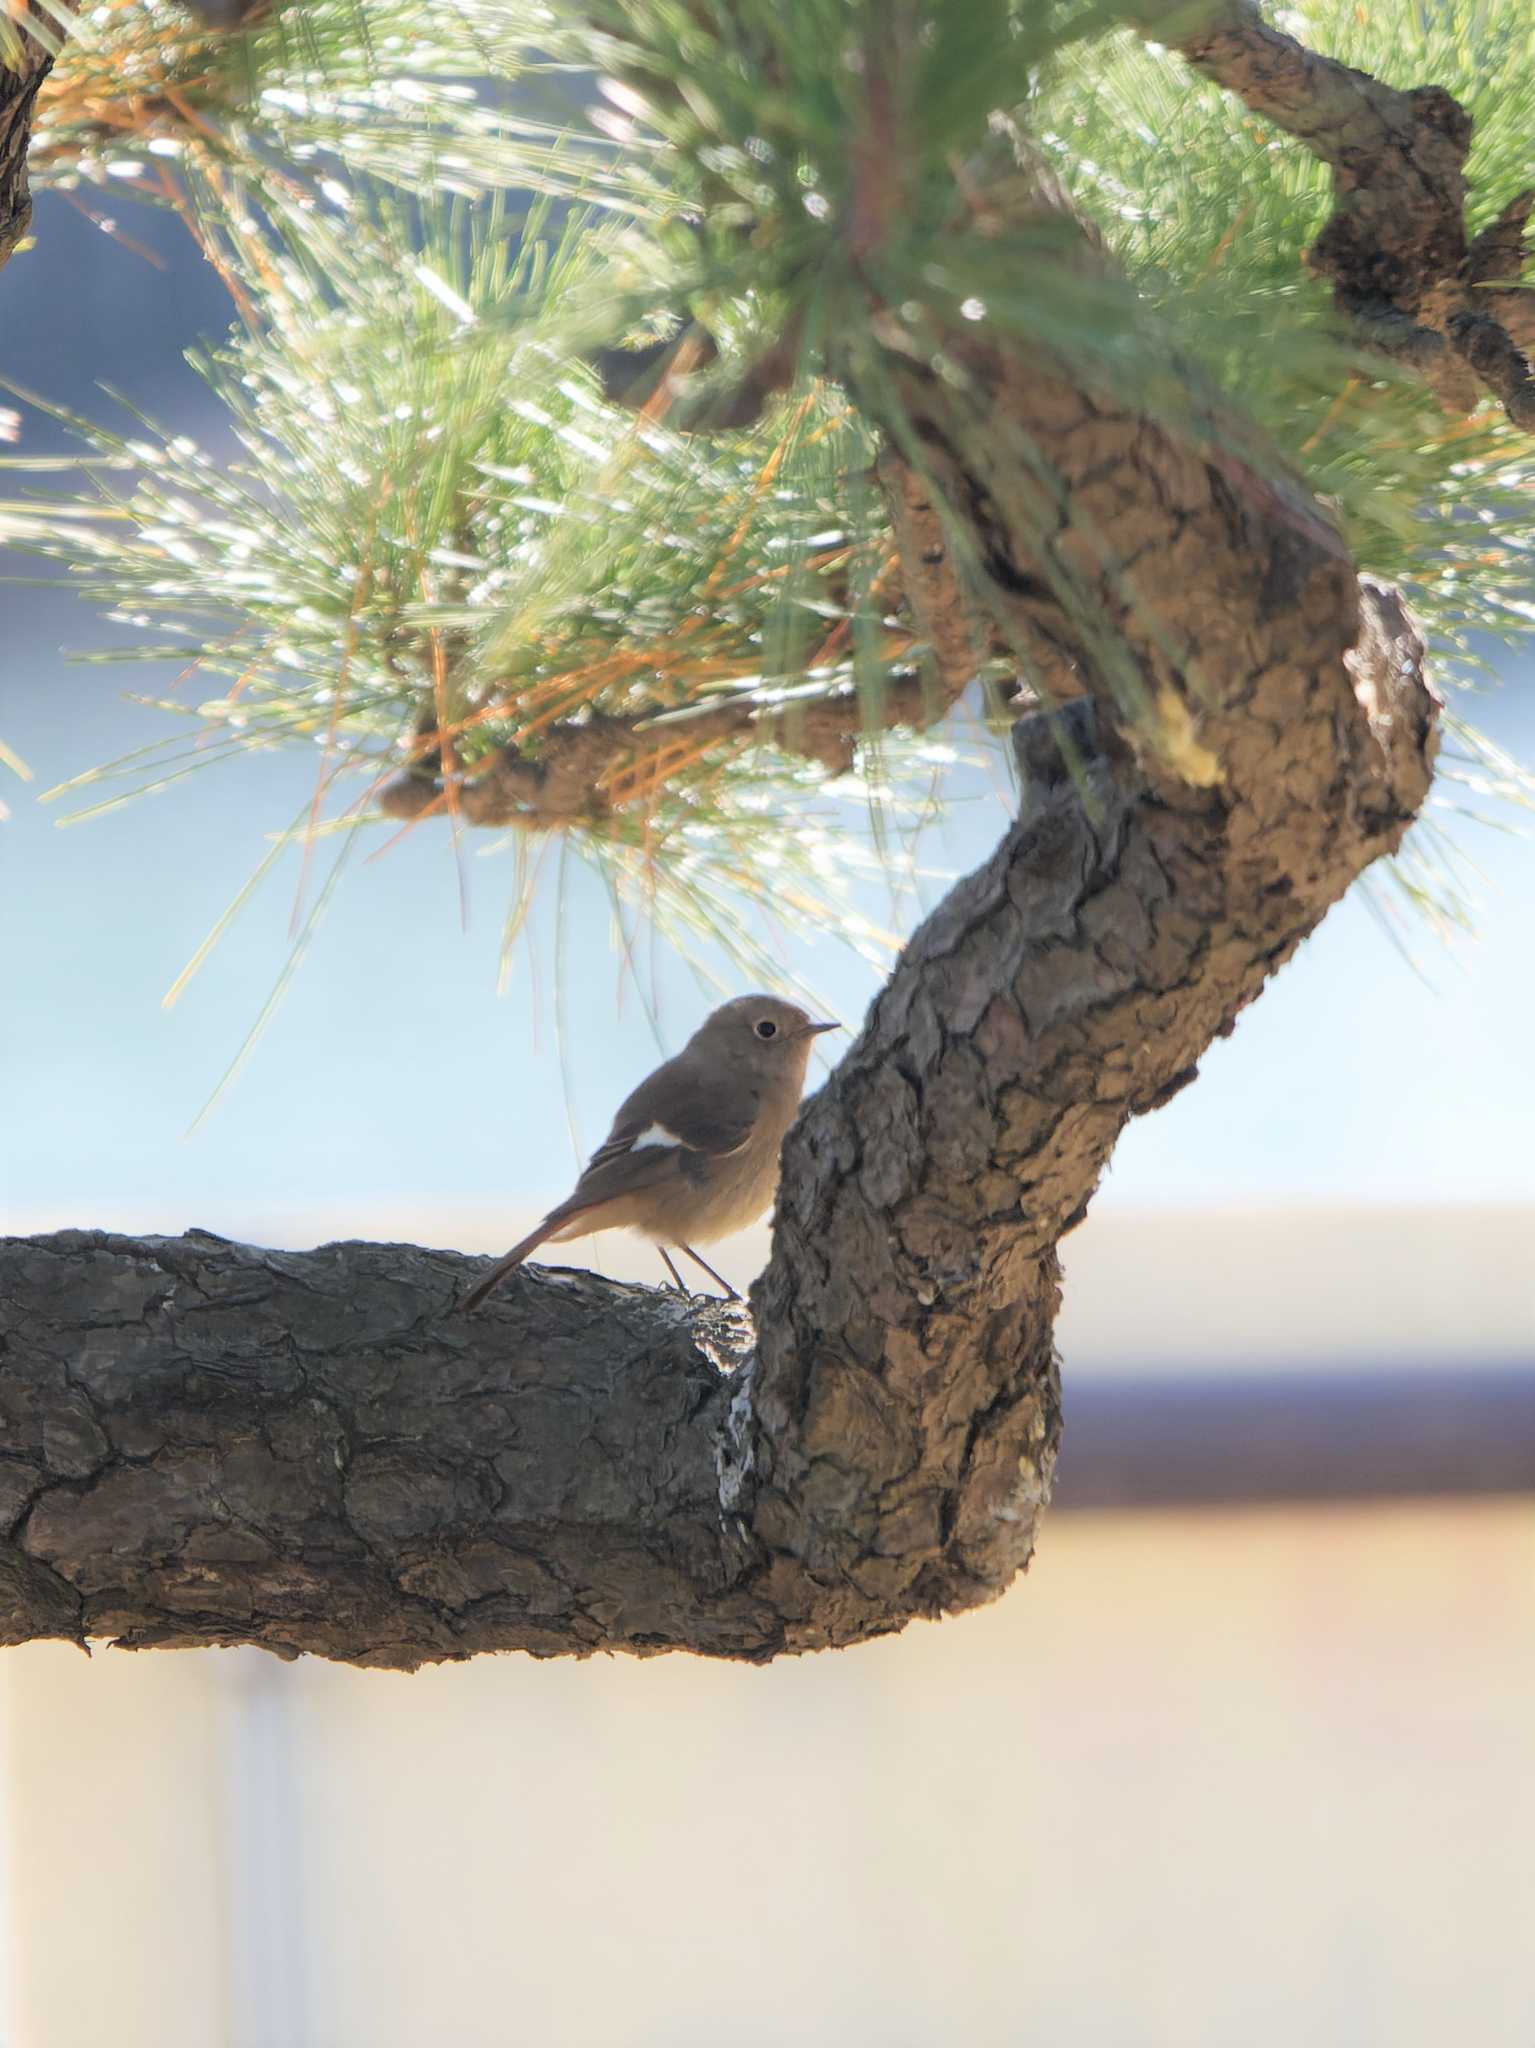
<point x="1255" y="1764"/>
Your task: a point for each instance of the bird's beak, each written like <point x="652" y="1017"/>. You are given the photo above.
<point x="811" y="1030"/>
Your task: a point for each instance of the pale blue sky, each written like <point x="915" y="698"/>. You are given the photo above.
<point x="395" y="1074"/>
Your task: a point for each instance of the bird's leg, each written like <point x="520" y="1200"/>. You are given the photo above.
<point x="715" y="1277"/>
<point x="681" y="1285"/>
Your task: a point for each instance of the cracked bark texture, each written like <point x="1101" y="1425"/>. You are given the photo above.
<point x="209" y="1443"/>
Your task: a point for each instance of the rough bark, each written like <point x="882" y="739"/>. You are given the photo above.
<point x="19" y="81"/>
<point x="210" y="1443"/>
<point x="1396" y="249"/>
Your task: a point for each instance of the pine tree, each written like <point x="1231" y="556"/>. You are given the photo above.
<point x="663" y="422"/>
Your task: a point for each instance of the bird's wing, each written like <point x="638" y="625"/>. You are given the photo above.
<point x="681" y="1108"/>
<point x="674" y="1122"/>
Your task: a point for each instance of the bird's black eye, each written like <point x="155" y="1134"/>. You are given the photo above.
<point x="767" y="1028"/>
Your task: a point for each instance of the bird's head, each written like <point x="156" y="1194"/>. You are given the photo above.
<point x="763" y="1032"/>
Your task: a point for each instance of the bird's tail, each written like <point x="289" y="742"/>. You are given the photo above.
<point x="513" y="1259"/>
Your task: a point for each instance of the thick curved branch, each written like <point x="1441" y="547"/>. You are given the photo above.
<point x="1395" y="249"/>
<point x="205" y="1443"/>
<point x="897" y="1439"/>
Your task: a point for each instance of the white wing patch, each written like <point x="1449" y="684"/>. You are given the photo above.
<point x="656" y="1134"/>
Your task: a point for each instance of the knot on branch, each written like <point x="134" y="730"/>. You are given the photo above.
<point x="1401" y="712"/>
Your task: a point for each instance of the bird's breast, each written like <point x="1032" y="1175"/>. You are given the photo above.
<point x="712" y="1197"/>
<point x="743" y="1187"/>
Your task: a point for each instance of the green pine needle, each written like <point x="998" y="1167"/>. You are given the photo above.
<point x="437" y="520"/>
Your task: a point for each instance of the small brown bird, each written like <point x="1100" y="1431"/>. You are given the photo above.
<point x="693" y="1153"/>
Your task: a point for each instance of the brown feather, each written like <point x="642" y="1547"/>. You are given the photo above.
<point x="514" y="1258"/>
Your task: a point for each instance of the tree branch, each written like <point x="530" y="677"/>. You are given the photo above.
<point x="20" y="77"/>
<point x="895" y="1435"/>
<point x="206" y="1443"/>
<point x="210" y="1443"/>
<point x="569" y="781"/>
<point x="1395" y="249"/>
